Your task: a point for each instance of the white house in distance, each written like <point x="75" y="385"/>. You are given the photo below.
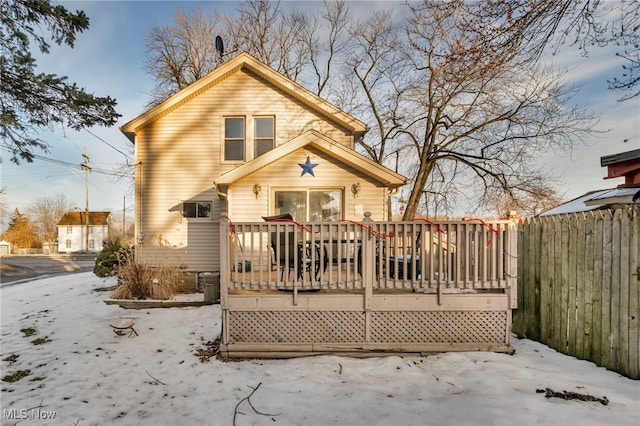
<point x="73" y="230"/>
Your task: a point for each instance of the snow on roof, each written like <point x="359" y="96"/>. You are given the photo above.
<point x="593" y="200"/>
<point x="615" y="193"/>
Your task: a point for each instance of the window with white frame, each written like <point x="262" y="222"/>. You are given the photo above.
<point x="196" y="210"/>
<point x="91" y="244"/>
<point x="243" y="140"/>
<point x="68" y="244"/>
<point x="309" y="205"/>
<point x="234" y="139"/>
<point x="69" y="229"/>
<point x="264" y="131"/>
<point x="90" y="230"/>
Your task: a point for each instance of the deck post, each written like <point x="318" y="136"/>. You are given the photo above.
<point x="225" y="276"/>
<point x="512" y="268"/>
<point x="368" y="270"/>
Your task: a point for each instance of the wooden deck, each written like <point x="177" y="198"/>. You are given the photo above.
<point x="403" y="287"/>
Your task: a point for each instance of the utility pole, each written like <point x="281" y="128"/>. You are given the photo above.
<point x="87" y="169"/>
<point x="124" y="202"/>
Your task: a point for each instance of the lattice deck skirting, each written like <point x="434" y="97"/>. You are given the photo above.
<point x="439" y="327"/>
<point x="296" y="327"/>
<point x="304" y="332"/>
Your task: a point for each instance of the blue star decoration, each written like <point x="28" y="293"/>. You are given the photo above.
<point x="307" y="167"/>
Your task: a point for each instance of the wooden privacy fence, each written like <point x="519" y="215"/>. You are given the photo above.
<point x="291" y="289"/>
<point x="578" y="286"/>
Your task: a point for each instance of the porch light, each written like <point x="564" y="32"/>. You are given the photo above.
<point x="257" y="189"/>
<point x="355" y="189"/>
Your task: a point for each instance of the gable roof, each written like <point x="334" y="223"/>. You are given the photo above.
<point x="244" y="61"/>
<point x="323" y="143"/>
<point x="79" y="218"/>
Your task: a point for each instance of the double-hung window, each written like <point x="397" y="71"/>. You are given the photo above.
<point x="197" y="210"/>
<point x="234" y="139"/>
<point x="263" y="135"/>
<point x="244" y="138"/>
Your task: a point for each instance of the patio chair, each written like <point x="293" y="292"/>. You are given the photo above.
<point x="294" y="255"/>
<point x="406" y="263"/>
<point x="343" y="251"/>
<point x="284" y="245"/>
<point x="297" y="256"/>
<point x="121" y="324"/>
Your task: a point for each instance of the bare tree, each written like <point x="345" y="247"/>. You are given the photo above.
<point x="475" y="101"/>
<point x="378" y="66"/>
<point x="526" y="199"/>
<point x="180" y="54"/>
<point x="46" y="212"/>
<point x="273" y="36"/>
<point x="290" y="42"/>
<point x="326" y="53"/>
<point x="625" y="32"/>
<point x="585" y="24"/>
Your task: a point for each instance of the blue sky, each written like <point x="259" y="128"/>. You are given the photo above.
<point x="108" y="59"/>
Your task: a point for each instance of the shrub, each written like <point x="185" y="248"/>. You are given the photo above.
<point x="108" y="261"/>
<point x="142" y="281"/>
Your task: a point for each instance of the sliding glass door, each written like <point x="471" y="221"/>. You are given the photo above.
<point x="312" y="205"/>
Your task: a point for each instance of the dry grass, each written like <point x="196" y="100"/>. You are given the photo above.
<point x="143" y="281"/>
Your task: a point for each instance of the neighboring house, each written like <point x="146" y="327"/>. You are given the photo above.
<point x="74" y="233"/>
<point x="5" y="247"/>
<point x="623" y="165"/>
<point x="250" y="142"/>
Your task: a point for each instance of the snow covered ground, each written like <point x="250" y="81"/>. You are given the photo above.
<point x="81" y="373"/>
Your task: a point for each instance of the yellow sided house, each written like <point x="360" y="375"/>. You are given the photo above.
<point x="248" y="141"/>
<point x="247" y="174"/>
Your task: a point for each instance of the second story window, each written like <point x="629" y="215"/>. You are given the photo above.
<point x="234" y="139"/>
<point x="263" y="138"/>
<point x="69" y="229"/>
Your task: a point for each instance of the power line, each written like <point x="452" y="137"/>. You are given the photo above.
<point x="108" y="144"/>
<point x="76" y="165"/>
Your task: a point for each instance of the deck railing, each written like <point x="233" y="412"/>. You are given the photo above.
<point x="421" y="255"/>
